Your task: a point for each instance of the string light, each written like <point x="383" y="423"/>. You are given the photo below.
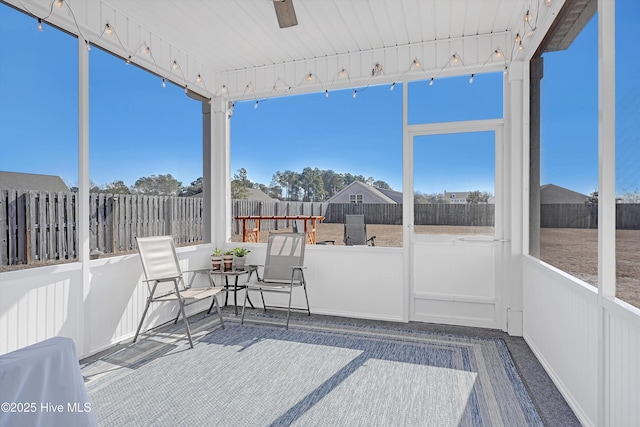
<point x="376" y="71"/>
<point x="527" y="17"/>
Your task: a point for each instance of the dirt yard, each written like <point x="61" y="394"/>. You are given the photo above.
<point x="572" y="250"/>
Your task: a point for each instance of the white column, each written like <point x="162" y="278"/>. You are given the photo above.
<point x="216" y="178"/>
<point x="407" y="211"/>
<point x="515" y="205"/>
<point x="606" y="193"/>
<point x="207" y="177"/>
<point x="83" y="182"/>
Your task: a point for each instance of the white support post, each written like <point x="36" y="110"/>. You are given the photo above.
<point x="217" y="161"/>
<point x="516" y="180"/>
<point x="606" y="194"/>
<point x="408" y="201"/>
<point x="84" y="241"/>
<point x="207" y="173"/>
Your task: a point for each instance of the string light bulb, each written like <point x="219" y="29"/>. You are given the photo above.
<point x="255" y="106"/>
<point x="548" y="2"/>
<point x="146" y="50"/>
<point x="527" y="16"/>
<point x="518" y="38"/>
<point x="415" y="64"/>
<point x="40" y="25"/>
<point x="186" y="89"/>
<point x="108" y="29"/>
<point x="520" y="46"/>
<point x="164" y="83"/>
<point x="471" y="78"/>
<point x="87" y="44"/>
<point x="199" y="78"/>
<point x="326" y="93"/>
<point x="309" y="77"/>
<point x="58" y="3"/>
<point x="249" y="87"/>
<point x="431" y="81"/>
<point x="393" y="85"/>
<point x="342" y="73"/>
<point x="129" y="60"/>
<point x="175" y="65"/>
<point x="498" y="53"/>
<point x="223" y="89"/>
<point x="355" y="93"/>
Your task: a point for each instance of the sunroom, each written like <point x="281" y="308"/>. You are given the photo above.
<point x="583" y="330"/>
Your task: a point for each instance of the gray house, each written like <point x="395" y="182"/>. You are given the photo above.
<point x="31" y="181"/>
<point x="553" y="194"/>
<point x="359" y="192"/>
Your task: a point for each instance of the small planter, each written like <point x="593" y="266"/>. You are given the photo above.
<point x="238" y="262"/>
<point x="239" y="257"/>
<point x="216" y="262"/>
<point x="227" y="261"/>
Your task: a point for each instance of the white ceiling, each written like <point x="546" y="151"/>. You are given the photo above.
<point x="237" y="43"/>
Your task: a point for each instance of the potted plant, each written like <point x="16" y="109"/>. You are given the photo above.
<point x="227" y="259"/>
<point x="216" y="259"/>
<point x="239" y="255"/>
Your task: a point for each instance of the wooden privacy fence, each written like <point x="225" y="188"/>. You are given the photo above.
<point x="39" y="226"/>
<point x="116" y="220"/>
<point x="424" y="214"/>
<point x="585" y="215"/>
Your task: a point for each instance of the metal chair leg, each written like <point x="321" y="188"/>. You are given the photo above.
<point x="244" y="305"/>
<point x="215" y="300"/>
<point x="144" y="314"/>
<point x="186" y="323"/>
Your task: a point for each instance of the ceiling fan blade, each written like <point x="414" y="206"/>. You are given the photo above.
<point x="285" y="13"/>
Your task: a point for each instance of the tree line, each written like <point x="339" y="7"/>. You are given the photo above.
<point x="309" y="185"/>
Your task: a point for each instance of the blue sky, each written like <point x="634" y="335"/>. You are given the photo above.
<point x="138" y="128"/>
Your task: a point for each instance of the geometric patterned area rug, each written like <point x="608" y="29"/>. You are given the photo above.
<point x="314" y="374"/>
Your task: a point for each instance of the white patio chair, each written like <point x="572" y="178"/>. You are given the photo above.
<point x="282" y="271"/>
<point x="165" y="280"/>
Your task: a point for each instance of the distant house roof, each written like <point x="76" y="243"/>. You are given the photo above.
<point x="256" y="194"/>
<point x="31" y="181"/>
<point x="554" y="194"/>
<point x="370" y="194"/>
<point x="252" y="194"/>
